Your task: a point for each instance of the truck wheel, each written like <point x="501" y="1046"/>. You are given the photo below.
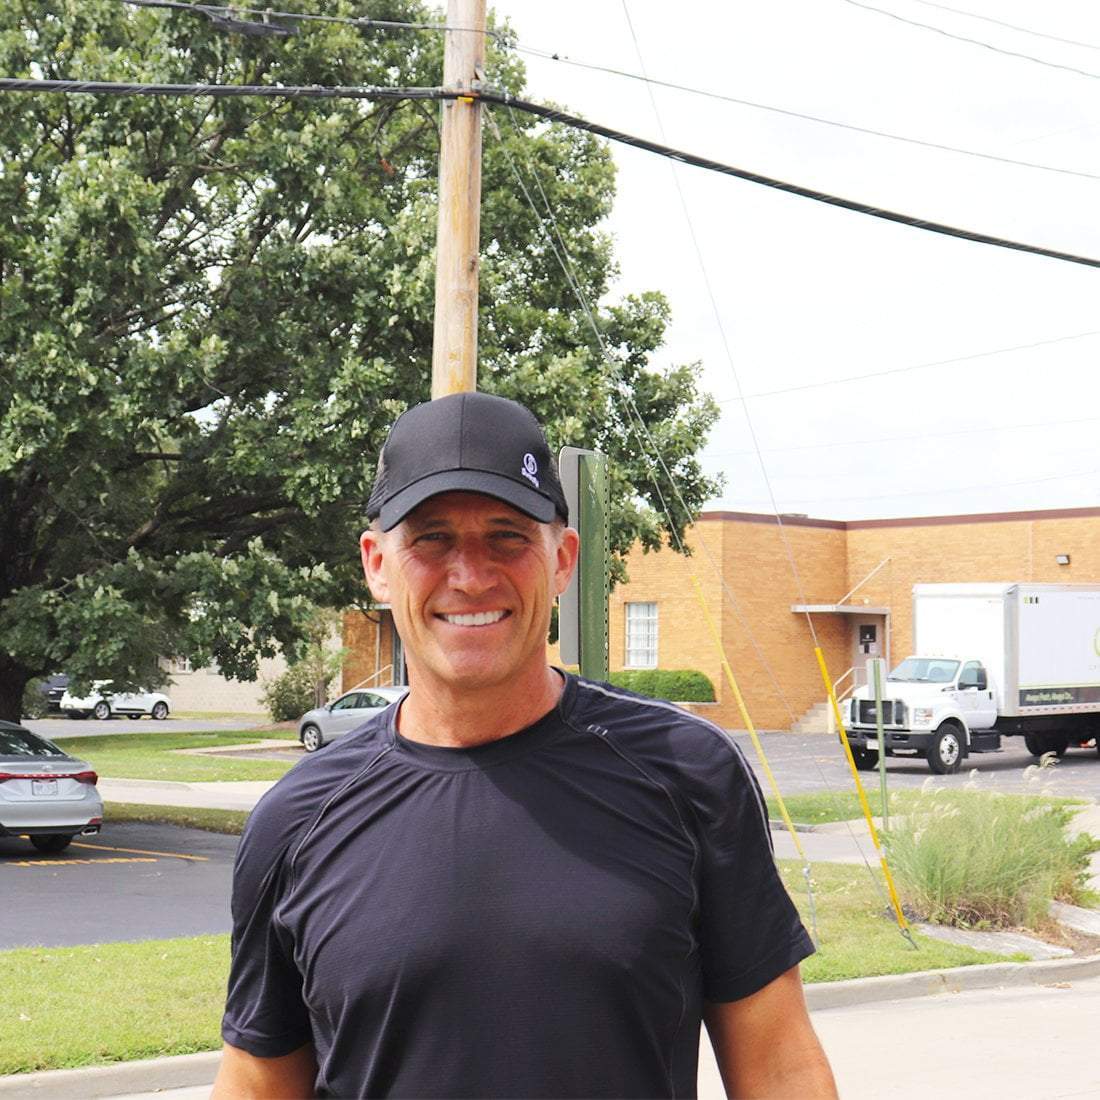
<point x="866" y="760"/>
<point x="1039" y="743"/>
<point x="1036" y="744"/>
<point x="945" y="752"/>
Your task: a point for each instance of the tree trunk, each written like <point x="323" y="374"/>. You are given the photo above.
<point x="13" y="680"/>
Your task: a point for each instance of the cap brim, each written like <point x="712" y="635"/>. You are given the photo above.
<point x="527" y="501"/>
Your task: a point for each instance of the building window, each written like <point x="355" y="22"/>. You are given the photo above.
<point x="641" y="635"/>
<point x="178" y="665"/>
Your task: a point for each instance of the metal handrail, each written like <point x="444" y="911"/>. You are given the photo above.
<point x="369" y="680"/>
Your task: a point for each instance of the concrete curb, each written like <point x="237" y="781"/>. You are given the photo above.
<point x="924" y="983"/>
<point x="119" y="1079"/>
<point x="154" y="1074"/>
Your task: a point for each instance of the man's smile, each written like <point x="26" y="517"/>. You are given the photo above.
<point x="479" y="618"/>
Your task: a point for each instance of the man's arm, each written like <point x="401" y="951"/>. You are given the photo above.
<point x="766" y="1047"/>
<point x="243" y="1076"/>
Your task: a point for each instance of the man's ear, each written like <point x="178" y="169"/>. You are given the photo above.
<point x="569" y="545"/>
<point x="372" y="552"/>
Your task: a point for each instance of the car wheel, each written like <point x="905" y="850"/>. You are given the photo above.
<point x="102" y="710"/>
<point x="52" y="843"/>
<point x="866" y="759"/>
<point x="160" y="711"/>
<point x="945" y="752"/>
<point x="312" y="738"/>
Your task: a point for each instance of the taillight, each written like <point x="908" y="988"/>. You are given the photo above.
<point x="80" y="777"/>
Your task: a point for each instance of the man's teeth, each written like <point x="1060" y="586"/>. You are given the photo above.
<point x="482" y="618"/>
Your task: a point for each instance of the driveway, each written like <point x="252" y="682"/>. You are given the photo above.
<point x="53" y="728"/>
<point x="134" y="881"/>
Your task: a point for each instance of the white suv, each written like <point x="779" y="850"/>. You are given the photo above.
<point x="102" y="704"/>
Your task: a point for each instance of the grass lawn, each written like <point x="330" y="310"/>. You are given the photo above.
<point x="79" y="1006"/>
<point x="822" y="807"/>
<point x="230" y="822"/>
<point x="149" y="756"/>
<point x="76" y="1006"/>
<point x="858" y="939"/>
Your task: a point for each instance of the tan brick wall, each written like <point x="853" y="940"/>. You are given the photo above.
<point x="365" y="660"/>
<point x="206" y="690"/>
<point x="994" y="550"/>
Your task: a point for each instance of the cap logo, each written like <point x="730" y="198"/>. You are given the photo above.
<point x="530" y="469"/>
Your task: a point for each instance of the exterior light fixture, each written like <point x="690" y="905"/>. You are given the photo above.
<point x="1062" y="559"/>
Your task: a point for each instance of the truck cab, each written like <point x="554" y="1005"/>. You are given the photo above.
<point x="941" y="708"/>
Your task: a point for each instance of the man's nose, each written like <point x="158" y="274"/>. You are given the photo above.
<point x="471" y="569"/>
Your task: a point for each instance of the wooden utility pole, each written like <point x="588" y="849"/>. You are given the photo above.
<point x="454" y="350"/>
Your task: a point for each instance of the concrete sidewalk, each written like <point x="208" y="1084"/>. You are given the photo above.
<point x="241" y="795"/>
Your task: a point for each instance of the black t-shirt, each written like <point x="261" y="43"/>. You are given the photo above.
<point x="539" y="916"/>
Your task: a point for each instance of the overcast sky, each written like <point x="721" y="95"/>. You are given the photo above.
<point x="808" y="294"/>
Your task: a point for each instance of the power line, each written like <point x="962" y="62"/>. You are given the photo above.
<point x="1010" y="26"/>
<point x="551" y="114"/>
<point x="920" y="437"/>
<point x="654" y="81"/>
<point x="973" y="41"/>
<point x="905" y="370"/>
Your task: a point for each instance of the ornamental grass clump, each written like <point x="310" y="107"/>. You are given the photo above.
<point x="982" y="859"/>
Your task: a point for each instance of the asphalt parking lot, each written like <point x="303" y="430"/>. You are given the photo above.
<point x="816" y="762"/>
<point x="132" y="882"/>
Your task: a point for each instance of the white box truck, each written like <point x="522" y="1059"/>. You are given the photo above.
<point x="989" y="660"/>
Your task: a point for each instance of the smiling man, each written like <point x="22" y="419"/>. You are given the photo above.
<point x="516" y="883"/>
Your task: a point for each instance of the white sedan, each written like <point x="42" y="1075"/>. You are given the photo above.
<point x="102" y="704"/>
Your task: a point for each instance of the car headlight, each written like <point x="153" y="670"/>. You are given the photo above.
<point x="922" y="715"/>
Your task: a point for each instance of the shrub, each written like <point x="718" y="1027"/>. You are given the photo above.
<point x="983" y="859"/>
<point x="677" y="685"/>
<point x="35" y="704"/>
<point x="290" y="695"/>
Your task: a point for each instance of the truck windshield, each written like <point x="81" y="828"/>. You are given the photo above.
<point x="925" y="670"/>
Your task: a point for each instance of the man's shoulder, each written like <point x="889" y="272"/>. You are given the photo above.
<point x="289" y="807"/>
<point x="653" y="727"/>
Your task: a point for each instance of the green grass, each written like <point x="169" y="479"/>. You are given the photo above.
<point x="985" y="859"/>
<point x="823" y="807"/>
<point x="230" y="822"/>
<point x="149" y="756"/>
<point x="858" y="939"/>
<point x="77" y="1006"/>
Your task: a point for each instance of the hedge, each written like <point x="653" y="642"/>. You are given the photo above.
<point x="678" y="685"/>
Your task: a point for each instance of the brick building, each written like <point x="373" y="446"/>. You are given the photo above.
<point x="856" y="578"/>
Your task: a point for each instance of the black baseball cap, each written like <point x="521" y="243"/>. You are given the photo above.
<point x="471" y="442"/>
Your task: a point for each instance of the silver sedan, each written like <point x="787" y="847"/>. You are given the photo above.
<point x="45" y="794"/>
<point x="319" y="726"/>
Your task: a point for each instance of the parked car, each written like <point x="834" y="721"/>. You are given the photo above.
<point x="319" y="726"/>
<point x="53" y="688"/>
<point x="45" y="794"/>
<point x="102" y="704"/>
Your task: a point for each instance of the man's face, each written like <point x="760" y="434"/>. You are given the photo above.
<point x="470" y="582"/>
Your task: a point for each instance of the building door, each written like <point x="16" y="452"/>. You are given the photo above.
<point x="868" y="640"/>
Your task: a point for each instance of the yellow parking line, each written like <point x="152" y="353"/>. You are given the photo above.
<point x="140" y="852"/>
<point x="56" y="862"/>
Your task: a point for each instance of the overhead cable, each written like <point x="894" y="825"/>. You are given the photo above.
<point x="551" y="114"/>
<point x="803" y="116"/>
<point x="973" y="41"/>
<point x="1010" y="26"/>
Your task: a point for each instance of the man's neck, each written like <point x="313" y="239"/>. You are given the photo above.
<point x="436" y="714"/>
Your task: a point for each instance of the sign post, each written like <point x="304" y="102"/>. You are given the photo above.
<point x="582" y="608"/>
<point x="876" y="664"/>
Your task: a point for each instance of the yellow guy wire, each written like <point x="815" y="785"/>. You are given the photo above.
<point x="760" y="754"/>
<point x="903" y="924"/>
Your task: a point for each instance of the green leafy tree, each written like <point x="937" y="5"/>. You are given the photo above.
<point x="212" y="309"/>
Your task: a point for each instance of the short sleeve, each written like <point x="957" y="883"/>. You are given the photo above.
<point x="750" y="931"/>
<point x="265" y="1013"/>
